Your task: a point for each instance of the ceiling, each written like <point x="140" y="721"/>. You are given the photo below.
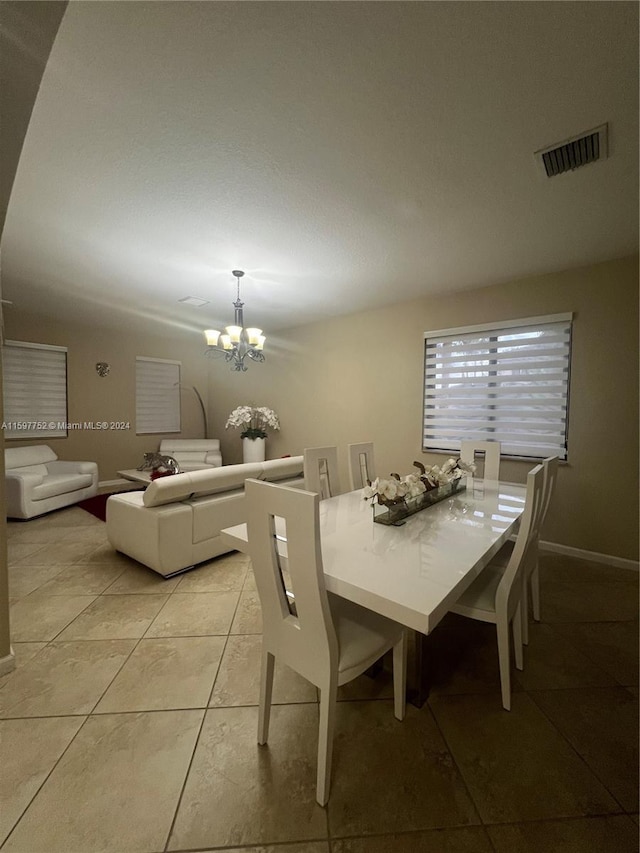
<point x="346" y="155"/>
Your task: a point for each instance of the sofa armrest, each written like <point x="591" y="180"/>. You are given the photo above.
<point x="18" y="489"/>
<point x="159" y="537"/>
<point x="22" y="481"/>
<point x="214" y="457"/>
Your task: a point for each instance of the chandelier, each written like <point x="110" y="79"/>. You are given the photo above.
<point x="236" y="343"/>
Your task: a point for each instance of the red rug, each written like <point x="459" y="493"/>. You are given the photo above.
<point x="96" y="505"/>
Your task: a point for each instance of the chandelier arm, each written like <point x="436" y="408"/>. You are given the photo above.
<point x="214" y="352"/>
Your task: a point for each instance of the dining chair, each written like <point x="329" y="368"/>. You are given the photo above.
<point x="531" y="580"/>
<point x="491" y="450"/>
<point x="496" y="594"/>
<point x="321" y="471"/>
<point x="328" y="640"/>
<point x="362" y="468"/>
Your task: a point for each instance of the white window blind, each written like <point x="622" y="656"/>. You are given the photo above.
<point x="157" y="395"/>
<point x="506" y="382"/>
<point x="34" y="390"/>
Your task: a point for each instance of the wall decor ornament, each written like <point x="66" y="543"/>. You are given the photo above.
<point x="102" y="368"/>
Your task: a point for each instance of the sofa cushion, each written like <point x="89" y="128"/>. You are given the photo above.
<point x="40" y="470"/>
<point x="20" y="457"/>
<point x="194" y="484"/>
<point x="225" y="479"/>
<point x="188" y="455"/>
<point x="281" y="469"/>
<point x="194" y="466"/>
<point x="60" y="484"/>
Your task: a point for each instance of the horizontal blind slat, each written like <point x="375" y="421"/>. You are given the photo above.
<point x="35" y="390"/>
<point x="509" y="385"/>
<point x="157" y="396"/>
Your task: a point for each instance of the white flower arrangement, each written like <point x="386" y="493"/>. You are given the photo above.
<point x="253" y="420"/>
<point x="396" y="489"/>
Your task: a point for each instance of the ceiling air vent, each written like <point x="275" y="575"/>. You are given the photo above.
<point x="574" y="153"/>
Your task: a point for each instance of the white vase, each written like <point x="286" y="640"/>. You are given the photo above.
<point x="253" y="449"/>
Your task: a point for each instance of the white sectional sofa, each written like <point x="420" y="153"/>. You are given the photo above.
<point x="192" y="454"/>
<point x="176" y="522"/>
<point x="38" y="482"/>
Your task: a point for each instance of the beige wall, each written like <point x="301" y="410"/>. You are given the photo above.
<point x="359" y="378"/>
<point x="112" y="398"/>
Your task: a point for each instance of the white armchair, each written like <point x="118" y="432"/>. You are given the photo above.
<point x="38" y="482"/>
<point x="192" y="454"/>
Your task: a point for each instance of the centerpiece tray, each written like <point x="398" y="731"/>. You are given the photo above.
<point x="396" y="514"/>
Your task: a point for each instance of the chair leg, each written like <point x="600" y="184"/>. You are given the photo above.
<point x="502" y="631"/>
<point x="535" y="592"/>
<point x="525" y="611"/>
<point x="266" y="687"/>
<point x="328" y="700"/>
<point x="400" y="677"/>
<point x="517" y="637"/>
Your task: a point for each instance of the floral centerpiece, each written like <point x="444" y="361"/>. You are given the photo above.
<point x="403" y="496"/>
<point x="253" y="420"/>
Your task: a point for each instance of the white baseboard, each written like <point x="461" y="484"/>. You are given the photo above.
<point x="7" y="663"/>
<point x="592" y="556"/>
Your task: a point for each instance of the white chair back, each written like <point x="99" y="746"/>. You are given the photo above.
<point x="524" y="553"/>
<point x="305" y="640"/>
<point x="491" y="450"/>
<point x="321" y="471"/>
<point x="362" y="468"/>
<point x="550" y="465"/>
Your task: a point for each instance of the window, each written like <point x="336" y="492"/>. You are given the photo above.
<point x="506" y="382"/>
<point x="35" y="390"/>
<point x="157" y="395"/>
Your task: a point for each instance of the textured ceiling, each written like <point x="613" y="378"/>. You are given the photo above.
<point x="346" y="155"/>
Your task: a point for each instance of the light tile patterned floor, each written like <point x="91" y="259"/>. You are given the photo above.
<point x="129" y="724"/>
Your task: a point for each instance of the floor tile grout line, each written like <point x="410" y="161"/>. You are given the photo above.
<point x="115" y="580"/>
<point x="184" y="781"/>
<point x="579" y="647"/>
<point x="581" y="757"/>
<point x="454" y="760"/>
<point x="557" y="819"/>
<point x="197" y="741"/>
<point x="46" y="778"/>
<point x="479" y="826"/>
<point x="560" y="733"/>
<point x="73" y="619"/>
<point x="215" y="678"/>
<point x="234" y="847"/>
<point x="126" y="660"/>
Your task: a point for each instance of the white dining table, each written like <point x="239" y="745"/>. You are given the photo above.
<point x="412" y="573"/>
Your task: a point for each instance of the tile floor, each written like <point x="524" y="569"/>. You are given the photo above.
<point x="129" y="724"/>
